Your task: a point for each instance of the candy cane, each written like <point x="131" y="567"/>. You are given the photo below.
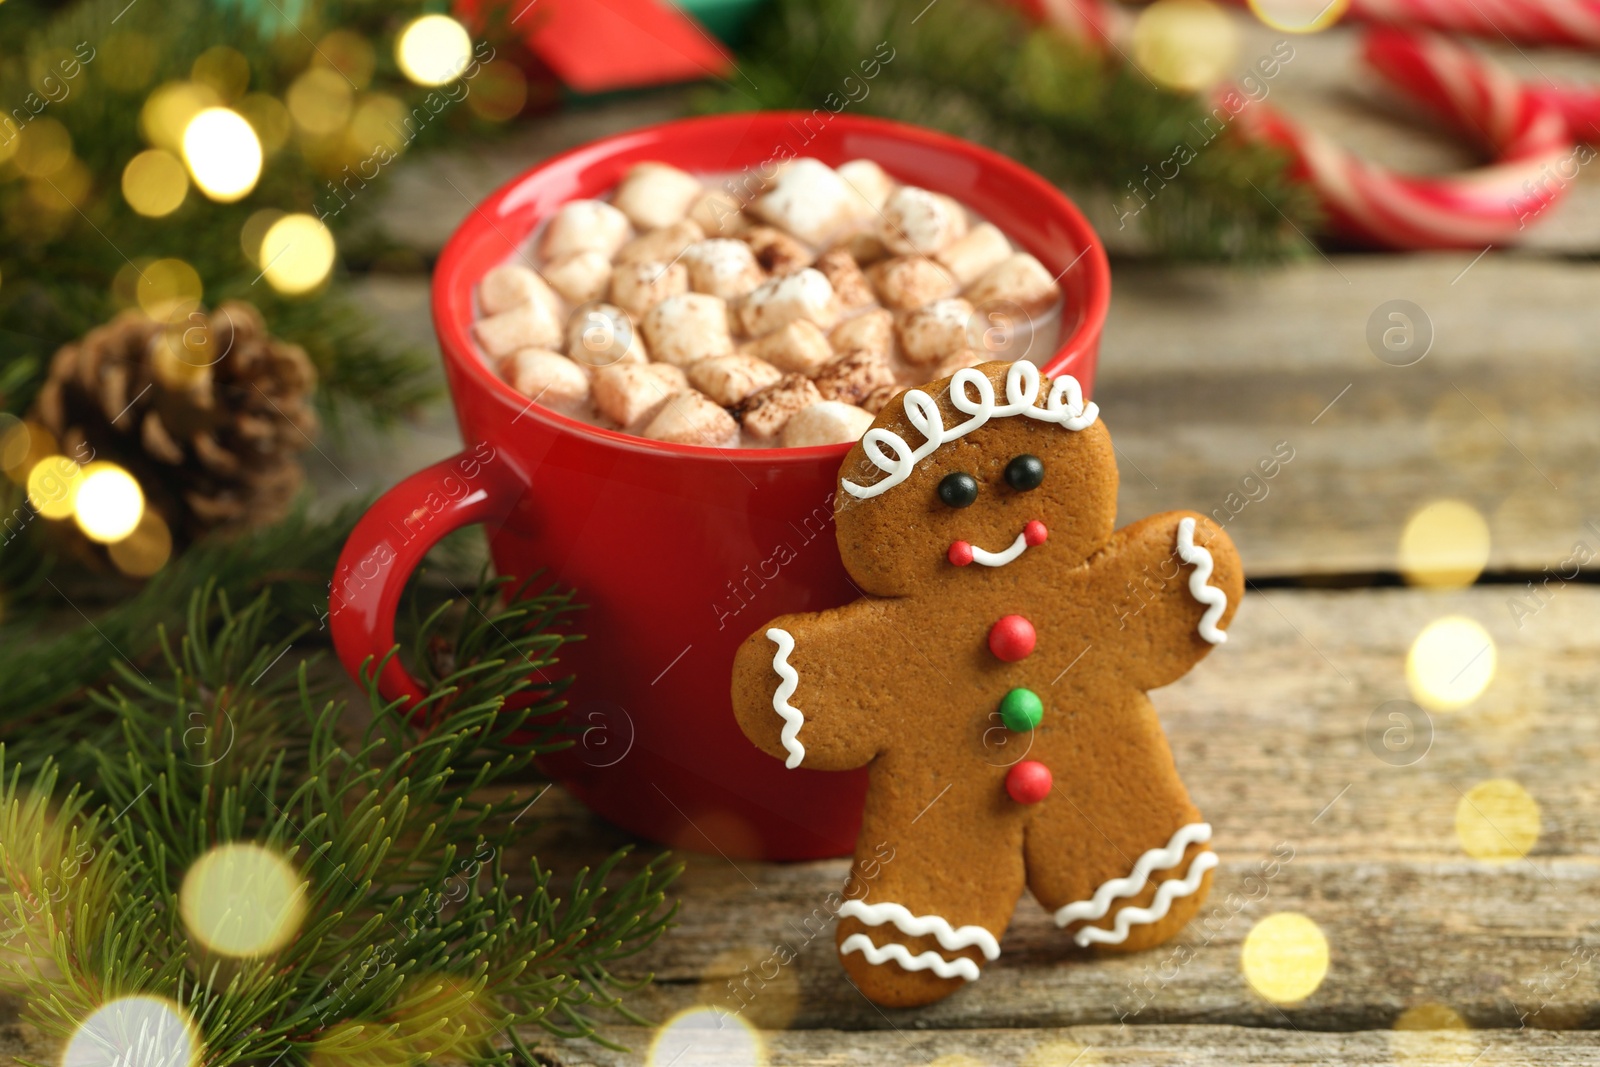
<point x="1526" y="133"/>
<point x="1568" y="22"/>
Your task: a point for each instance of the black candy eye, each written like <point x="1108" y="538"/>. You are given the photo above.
<point x="958" y="490"/>
<point x="1025" y="472"/>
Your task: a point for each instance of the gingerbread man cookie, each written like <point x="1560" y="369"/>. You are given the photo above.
<point x="993" y="676"/>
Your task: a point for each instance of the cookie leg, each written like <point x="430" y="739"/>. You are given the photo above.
<point x="918" y="925"/>
<point x="1150" y="903"/>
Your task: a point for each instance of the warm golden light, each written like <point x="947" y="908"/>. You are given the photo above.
<point x="1186" y="45"/>
<point x="24" y="444"/>
<point x="254" y="231"/>
<point x="51" y="485"/>
<point x="240" y="899"/>
<point x="1299" y="16"/>
<point x="145" y="550"/>
<point x="223" y="153"/>
<point x="713" y="1036"/>
<point x="168" y="111"/>
<point x="139" y="1031"/>
<point x="1445" y="545"/>
<point x="499" y="92"/>
<point x="1432" y="1034"/>
<point x="350" y="54"/>
<point x="108" y="504"/>
<point x="224" y="70"/>
<point x="269" y="118"/>
<point x="43" y="148"/>
<point x="154" y="183"/>
<point x="1497" y="821"/>
<point x="320" y="101"/>
<point x="1285" y="957"/>
<point x="168" y="289"/>
<point x="433" y="50"/>
<point x="1450" y="664"/>
<point x="296" y="254"/>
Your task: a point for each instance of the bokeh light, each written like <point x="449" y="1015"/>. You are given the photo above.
<point x="127" y="60"/>
<point x="1432" y="1033"/>
<point x="1445" y="545"/>
<point x="1299" y="16"/>
<point x="168" y="111"/>
<point x="168" y="289"/>
<point x="1285" y="957"/>
<point x="348" y="53"/>
<point x="145" y="550"/>
<point x="433" y="50"/>
<point x="715" y="1038"/>
<point x="139" y="1031"/>
<point x="320" y="101"/>
<point x="154" y="183"/>
<point x="223" y="153"/>
<point x="1451" y="663"/>
<point x="51" y="485"/>
<point x="378" y="120"/>
<point x="22" y="444"/>
<point x="1186" y="45"/>
<point x="108" y="504"/>
<point x="269" y="118"/>
<point x="1061" y="1053"/>
<point x="296" y="254"/>
<point x="499" y="92"/>
<point x="225" y="71"/>
<point x="254" y="231"/>
<point x="1497" y="821"/>
<point x="240" y="899"/>
<point x="43" y="149"/>
<point x="442" y="1018"/>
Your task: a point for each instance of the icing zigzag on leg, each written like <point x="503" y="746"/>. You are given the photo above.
<point x="1157" y="859"/>
<point x="1169" y="891"/>
<point x="925" y="961"/>
<point x="922" y="925"/>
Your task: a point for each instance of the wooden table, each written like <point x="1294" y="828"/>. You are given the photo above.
<point x="1203" y="372"/>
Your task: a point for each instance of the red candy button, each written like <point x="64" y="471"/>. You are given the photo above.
<point x="1028" y="782"/>
<point x="1034" y="533"/>
<point x="1012" y="638"/>
<point x="960" y="553"/>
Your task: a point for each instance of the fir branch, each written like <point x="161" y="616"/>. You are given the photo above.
<point x="977" y="69"/>
<point x="415" y="941"/>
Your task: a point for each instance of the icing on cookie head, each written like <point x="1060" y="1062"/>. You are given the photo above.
<point x="988" y="471"/>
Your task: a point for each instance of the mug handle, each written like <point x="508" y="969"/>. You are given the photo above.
<point x="389" y="542"/>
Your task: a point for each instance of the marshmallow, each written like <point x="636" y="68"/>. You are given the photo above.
<point x="687" y="327"/>
<point x="798" y="348"/>
<point x="917" y="222"/>
<point x="1019" y="279"/>
<point x="872" y="330"/>
<point x="879" y="397"/>
<point x="870" y="183"/>
<point x="777" y="251"/>
<point x="826" y="423"/>
<point x="690" y="419"/>
<point x="511" y="285"/>
<point x="601" y="335"/>
<point x="722" y="268"/>
<point x="765" y="413"/>
<point x="627" y="393"/>
<point x="729" y="379"/>
<point x="864" y="245"/>
<point x="530" y="325"/>
<point x="663" y="246"/>
<point x="580" y="277"/>
<point x="548" y="377"/>
<point x="930" y="333"/>
<point x="907" y="282"/>
<point x="584" y="226"/>
<point x="853" y="376"/>
<point x="719" y="213"/>
<point x="969" y="257"/>
<point x="654" y="195"/>
<point x="845" y="276"/>
<point x="779" y="301"/>
<point x="638" y="287"/>
<point x="959" y="360"/>
<point x="809" y="200"/>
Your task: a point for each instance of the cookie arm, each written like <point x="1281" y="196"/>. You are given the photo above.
<point x="802" y="689"/>
<point x="1174" y="581"/>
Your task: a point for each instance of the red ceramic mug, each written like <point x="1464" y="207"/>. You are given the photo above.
<point x="679" y="551"/>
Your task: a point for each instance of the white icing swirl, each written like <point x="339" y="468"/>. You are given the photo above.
<point x="1000" y="559"/>
<point x="1210" y="595"/>
<point x="930" y="960"/>
<point x="793" y="718"/>
<point x="1168" y="891"/>
<point x="922" y="925"/>
<point x="1156" y="859"/>
<point x="889" y="452"/>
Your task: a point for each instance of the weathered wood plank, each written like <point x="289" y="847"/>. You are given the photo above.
<point x="1271" y="735"/>
<point x="1204" y="373"/>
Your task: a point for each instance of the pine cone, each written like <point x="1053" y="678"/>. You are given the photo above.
<point x="208" y="415"/>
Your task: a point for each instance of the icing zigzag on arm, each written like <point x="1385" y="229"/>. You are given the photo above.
<point x="793" y="718"/>
<point x="922" y="925"/>
<point x="930" y="960"/>
<point x="1210" y="595"/>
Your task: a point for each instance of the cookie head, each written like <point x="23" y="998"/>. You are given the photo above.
<point x="993" y="469"/>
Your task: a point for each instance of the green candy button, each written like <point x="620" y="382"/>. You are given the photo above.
<point x="1021" y="709"/>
